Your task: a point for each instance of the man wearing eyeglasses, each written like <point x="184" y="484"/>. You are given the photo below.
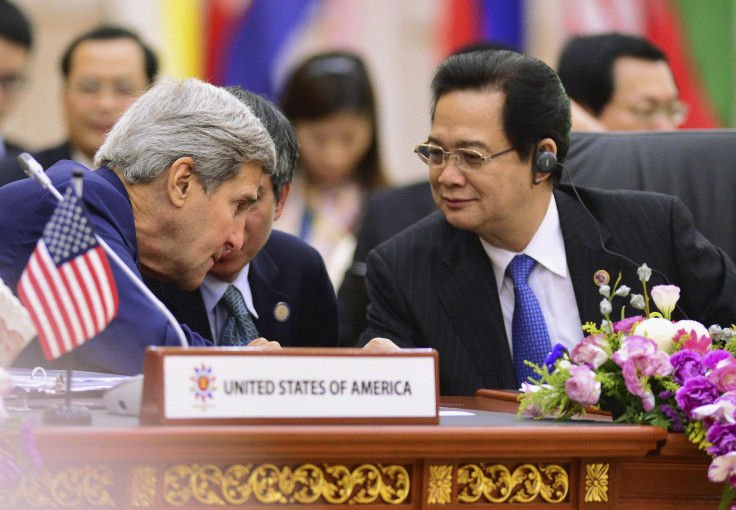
<point x="620" y="82"/>
<point x="16" y="40"/>
<point x="505" y="269"/>
<point x="105" y="70"/>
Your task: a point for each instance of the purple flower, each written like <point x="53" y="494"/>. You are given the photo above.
<point x="582" y="386"/>
<point x="712" y="359"/>
<point x="626" y="325"/>
<point x="695" y="392"/>
<point x="722" y="437"/>
<point x="551" y="360"/>
<point x="674" y="416"/>
<point x="686" y="364"/>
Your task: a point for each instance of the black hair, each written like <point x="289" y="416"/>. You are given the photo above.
<point x="281" y="131"/>
<point x="14" y="25"/>
<point x="536" y="106"/>
<point x="110" y="32"/>
<point x="586" y="65"/>
<point x="328" y="83"/>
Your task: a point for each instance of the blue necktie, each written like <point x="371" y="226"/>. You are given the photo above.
<point x="529" y="334"/>
<point x="239" y="328"/>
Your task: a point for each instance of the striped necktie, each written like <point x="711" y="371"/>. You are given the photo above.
<point x="239" y="327"/>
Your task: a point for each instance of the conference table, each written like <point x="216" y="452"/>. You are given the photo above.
<point x="480" y="455"/>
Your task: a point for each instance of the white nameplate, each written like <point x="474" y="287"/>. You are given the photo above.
<point x="248" y="385"/>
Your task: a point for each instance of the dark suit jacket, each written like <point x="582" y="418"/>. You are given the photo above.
<point x="11" y="171"/>
<point x="287" y="270"/>
<point x="433" y="284"/>
<point x="387" y="213"/>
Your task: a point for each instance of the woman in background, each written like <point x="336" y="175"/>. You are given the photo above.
<point x="329" y="99"/>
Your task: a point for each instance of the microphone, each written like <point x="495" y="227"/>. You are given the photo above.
<point x="34" y="170"/>
<point x="603" y="246"/>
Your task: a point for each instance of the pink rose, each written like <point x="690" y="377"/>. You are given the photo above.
<point x="639" y="359"/>
<point x="590" y="351"/>
<point x="724" y="376"/>
<point x="582" y="386"/>
<point x="626" y="325"/>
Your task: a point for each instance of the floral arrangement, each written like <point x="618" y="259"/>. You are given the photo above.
<point x="648" y="370"/>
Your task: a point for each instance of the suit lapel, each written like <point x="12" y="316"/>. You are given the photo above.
<point x="468" y="293"/>
<point x="584" y="238"/>
<point x="261" y="275"/>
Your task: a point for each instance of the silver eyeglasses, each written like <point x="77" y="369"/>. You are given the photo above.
<point x="466" y="159"/>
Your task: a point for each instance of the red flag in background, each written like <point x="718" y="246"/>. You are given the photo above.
<point x="67" y="285"/>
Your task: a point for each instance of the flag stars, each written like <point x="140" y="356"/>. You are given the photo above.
<point x="69" y="233"/>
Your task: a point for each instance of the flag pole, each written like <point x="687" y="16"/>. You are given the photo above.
<point x="68" y="413"/>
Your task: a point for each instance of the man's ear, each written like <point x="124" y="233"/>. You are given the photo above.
<point x="285" y="189"/>
<point x="180" y="180"/>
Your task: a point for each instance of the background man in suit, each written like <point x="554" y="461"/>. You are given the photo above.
<point x="16" y="40"/>
<point x="104" y="71"/>
<point x="619" y="82"/>
<point x="282" y="279"/>
<point x="177" y="174"/>
<point x="500" y="123"/>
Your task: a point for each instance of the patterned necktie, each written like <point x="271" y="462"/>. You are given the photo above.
<point x="528" y="329"/>
<point x="239" y="328"/>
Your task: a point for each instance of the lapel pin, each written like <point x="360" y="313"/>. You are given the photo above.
<point x="281" y="311"/>
<point x="601" y="277"/>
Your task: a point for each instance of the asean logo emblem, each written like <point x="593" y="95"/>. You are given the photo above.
<point x="204" y="383"/>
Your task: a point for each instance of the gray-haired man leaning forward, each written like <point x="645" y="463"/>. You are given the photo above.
<point x="177" y="174"/>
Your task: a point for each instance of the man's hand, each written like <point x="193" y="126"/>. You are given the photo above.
<point x="379" y="344"/>
<point x="265" y="344"/>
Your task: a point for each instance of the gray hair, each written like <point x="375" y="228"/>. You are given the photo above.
<point x="189" y="118"/>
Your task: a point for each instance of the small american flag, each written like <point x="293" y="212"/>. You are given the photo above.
<point x="67" y="285"/>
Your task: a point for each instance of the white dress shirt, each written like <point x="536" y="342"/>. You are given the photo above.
<point x="212" y="291"/>
<point x="550" y="281"/>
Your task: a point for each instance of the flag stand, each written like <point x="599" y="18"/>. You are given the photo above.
<point x="67" y="413"/>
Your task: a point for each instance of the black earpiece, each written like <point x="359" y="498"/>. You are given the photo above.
<point x="544" y="163"/>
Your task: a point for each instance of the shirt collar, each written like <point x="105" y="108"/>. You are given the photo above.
<point x="547" y="247"/>
<point x="213" y="289"/>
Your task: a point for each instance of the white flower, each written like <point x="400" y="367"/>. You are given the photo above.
<point x="665" y="297"/>
<point x="637" y="301"/>
<point x="623" y="291"/>
<point x="604" y="290"/>
<point x="721" y="410"/>
<point x="659" y="330"/>
<point x="644" y="273"/>
<point x="722" y="467"/>
<point x="606" y="307"/>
